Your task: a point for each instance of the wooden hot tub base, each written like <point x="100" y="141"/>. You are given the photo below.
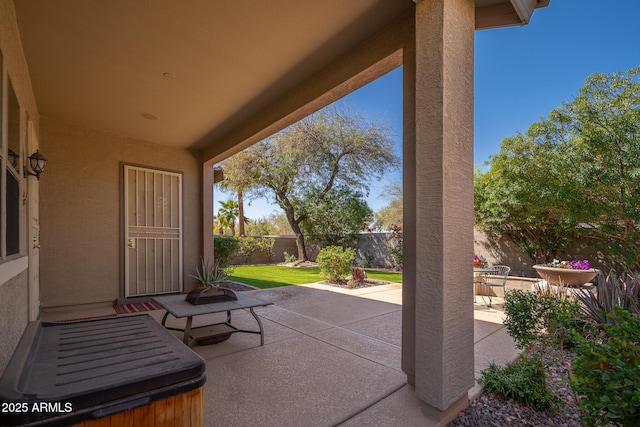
<point x="186" y="409"/>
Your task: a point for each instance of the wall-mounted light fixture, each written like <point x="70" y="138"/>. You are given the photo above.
<point x="13" y="157"/>
<point x="37" y="163"/>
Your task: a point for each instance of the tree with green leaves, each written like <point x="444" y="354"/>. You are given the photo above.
<point x="302" y="164"/>
<point x="260" y="227"/>
<point x="573" y="174"/>
<point x="390" y="215"/>
<point x="525" y="197"/>
<point x="336" y="217"/>
<point x="604" y="122"/>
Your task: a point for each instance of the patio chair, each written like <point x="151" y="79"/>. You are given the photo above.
<point x="496" y="280"/>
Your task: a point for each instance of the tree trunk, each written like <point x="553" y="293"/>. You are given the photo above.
<point x="286" y="205"/>
<point x="302" y="250"/>
<point x="240" y="214"/>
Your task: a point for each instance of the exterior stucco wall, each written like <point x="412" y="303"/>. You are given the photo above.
<point x="13" y="315"/>
<point x="80" y="210"/>
<point x="13" y="272"/>
<point x="497" y="250"/>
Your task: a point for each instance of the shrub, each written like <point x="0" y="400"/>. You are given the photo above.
<point x="523" y="380"/>
<point x="539" y="317"/>
<point x="606" y="372"/>
<point x="535" y="320"/>
<point x="396" y="246"/>
<point x="247" y="246"/>
<point x="224" y="249"/>
<point x="335" y="262"/>
<point x="523" y="317"/>
<point x="266" y="245"/>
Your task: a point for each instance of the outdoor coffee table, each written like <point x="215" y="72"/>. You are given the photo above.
<point x="178" y="307"/>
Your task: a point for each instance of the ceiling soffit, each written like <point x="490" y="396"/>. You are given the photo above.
<point x="186" y="74"/>
<point x="200" y="70"/>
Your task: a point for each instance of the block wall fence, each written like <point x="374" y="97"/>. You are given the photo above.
<point x="375" y="247"/>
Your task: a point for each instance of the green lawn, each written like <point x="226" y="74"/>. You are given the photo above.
<point x="273" y="276"/>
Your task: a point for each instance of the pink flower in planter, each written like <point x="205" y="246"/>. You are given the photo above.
<point x="575" y="264"/>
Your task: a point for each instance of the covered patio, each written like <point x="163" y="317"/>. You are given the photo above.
<point x="132" y="103"/>
<point x="331" y="357"/>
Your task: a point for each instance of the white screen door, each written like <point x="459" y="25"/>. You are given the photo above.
<point x="152" y="231"/>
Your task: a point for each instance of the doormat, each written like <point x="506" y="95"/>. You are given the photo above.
<point x="136" y="307"/>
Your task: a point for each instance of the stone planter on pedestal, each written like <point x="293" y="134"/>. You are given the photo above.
<point x="565" y="276"/>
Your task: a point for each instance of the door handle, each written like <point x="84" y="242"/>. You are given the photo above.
<point x="131" y="243"/>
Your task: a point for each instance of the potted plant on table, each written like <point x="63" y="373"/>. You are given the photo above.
<point x="211" y="278"/>
<point x="477" y="262"/>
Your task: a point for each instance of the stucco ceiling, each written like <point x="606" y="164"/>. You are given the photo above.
<point x="197" y="68"/>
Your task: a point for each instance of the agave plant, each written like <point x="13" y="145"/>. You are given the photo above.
<point x="210" y="275"/>
<point x="611" y="291"/>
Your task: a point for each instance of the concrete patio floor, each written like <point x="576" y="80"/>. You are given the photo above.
<point x="331" y="358"/>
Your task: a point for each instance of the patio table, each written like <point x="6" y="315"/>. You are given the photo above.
<point x="480" y="276"/>
<point x="178" y="307"/>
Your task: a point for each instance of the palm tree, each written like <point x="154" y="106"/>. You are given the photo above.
<point x="227" y="215"/>
<point x="238" y="176"/>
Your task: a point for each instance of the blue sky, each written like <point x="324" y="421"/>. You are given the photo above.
<point x="521" y="74"/>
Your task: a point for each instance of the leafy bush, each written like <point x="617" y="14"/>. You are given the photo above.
<point x="247" y="246"/>
<point x="336" y="217"/>
<point x="335" y="262"/>
<point x="396" y="246"/>
<point x="224" y="249"/>
<point x="523" y="316"/>
<point x="535" y="320"/>
<point x="541" y="317"/>
<point x="606" y="372"/>
<point x="266" y="245"/>
<point x="523" y="380"/>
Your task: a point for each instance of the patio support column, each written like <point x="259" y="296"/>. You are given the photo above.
<point x="437" y="352"/>
<point x="207" y="211"/>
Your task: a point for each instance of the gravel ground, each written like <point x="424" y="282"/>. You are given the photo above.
<point x="367" y="283"/>
<point x="489" y="410"/>
<point x="238" y="287"/>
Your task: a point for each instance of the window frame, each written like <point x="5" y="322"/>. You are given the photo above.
<point x="8" y="169"/>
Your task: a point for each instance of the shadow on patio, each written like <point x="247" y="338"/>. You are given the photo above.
<point x="331" y="357"/>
